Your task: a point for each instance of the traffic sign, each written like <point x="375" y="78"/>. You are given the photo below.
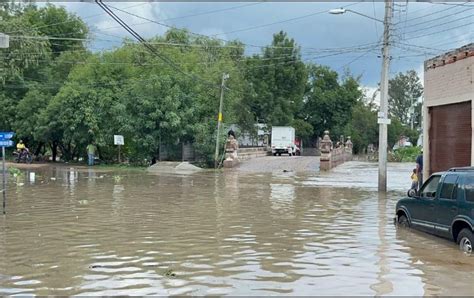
<point x="384" y="121"/>
<point x="118" y="140"/>
<point x="6" y="135"/>
<point x="6" y="143"/>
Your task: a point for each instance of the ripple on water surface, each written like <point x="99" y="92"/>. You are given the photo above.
<point x="87" y="232"/>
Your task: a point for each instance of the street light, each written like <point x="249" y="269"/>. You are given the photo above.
<point x="337" y="11"/>
<point x="343" y="10"/>
<point x="383" y="119"/>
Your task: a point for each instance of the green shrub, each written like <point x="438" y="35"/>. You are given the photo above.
<point x="405" y="154"/>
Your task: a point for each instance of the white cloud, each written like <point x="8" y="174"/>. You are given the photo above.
<point x="318" y="31"/>
<point x="369" y="93"/>
<point x="142" y="26"/>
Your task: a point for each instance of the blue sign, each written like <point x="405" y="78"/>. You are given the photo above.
<point x="6" y="143"/>
<point x="6" y="135"/>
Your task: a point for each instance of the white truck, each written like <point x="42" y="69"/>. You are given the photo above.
<point x="283" y="140"/>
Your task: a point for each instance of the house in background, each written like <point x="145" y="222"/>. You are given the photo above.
<point x="448" y="110"/>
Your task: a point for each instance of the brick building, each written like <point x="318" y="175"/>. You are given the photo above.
<point x="448" y="110"/>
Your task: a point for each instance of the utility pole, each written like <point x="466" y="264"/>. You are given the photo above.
<point x="4" y="44"/>
<point x="219" y="120"/>
<point x="383" y="114"/>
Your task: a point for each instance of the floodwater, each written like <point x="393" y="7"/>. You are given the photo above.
<point x="84" y="232"/>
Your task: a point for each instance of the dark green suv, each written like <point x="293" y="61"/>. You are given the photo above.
<point x="443" y="206"/>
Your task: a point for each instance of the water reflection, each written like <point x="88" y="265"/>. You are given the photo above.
<point x="92" y="233"/>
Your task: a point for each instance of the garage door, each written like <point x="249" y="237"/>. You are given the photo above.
<point x="450" y="136"/>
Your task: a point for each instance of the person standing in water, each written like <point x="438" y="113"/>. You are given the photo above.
<point x="91" y="149"/>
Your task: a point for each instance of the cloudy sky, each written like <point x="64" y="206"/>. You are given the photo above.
<point x="420" y="30"/>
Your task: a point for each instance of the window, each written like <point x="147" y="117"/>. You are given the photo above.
<point x="430" y="187"/>
<point x="469" y="188"/>
<point x="448" y="188"/>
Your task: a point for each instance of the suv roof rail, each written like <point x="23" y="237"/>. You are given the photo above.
<point x="461" y="169"/>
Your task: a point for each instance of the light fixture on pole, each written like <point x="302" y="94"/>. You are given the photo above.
<point x="344" y="10"/>
<point x="337" y="11"/>
<point x="383" y="119"/>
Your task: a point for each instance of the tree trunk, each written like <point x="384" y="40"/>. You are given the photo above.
<point x="38" y="149"/>
<point x="66" y="149"/>
<point x="54" y="150"/>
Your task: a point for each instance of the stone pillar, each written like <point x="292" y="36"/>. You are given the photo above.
<point x="348" y="148"/>
<point x="231" y="147"/>
<point x="326" y="148"/>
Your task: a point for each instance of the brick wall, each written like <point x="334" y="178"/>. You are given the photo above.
<point x="449" y="77"/>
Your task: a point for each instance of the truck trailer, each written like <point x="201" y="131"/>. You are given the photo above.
<point x="283" y="140"/>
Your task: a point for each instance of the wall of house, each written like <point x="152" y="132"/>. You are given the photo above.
<point x="448" y="79"/>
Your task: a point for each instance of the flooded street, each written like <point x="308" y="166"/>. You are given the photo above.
<point x="85" y="232"/>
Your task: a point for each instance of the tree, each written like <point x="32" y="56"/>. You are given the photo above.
<point x="328" y="102"/>
<point x="276" y="81"/>
<point x="56" y="21"/>
<point x="363" y="127"/>
<point x="404" y="92"/>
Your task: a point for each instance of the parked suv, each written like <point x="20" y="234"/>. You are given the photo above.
<point x="443" y="206"/>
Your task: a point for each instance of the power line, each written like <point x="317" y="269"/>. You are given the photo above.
<point x="150" y="48"/>
<point x="279" y="57"/>
<point x="430" y="14"/>
<point x="352" y="61"/>
<point x="182" y="17"/>
<point x="355" y="47"/>
<point x="432" y="33"/>
<point x="70" y="21"/>
<point x="442" y="17"/>
<point x="278" y="22"/>
<point x="438" y="25"/>
<point x="213" y="11"/>
<point x="375" y="22"/>
<point x="452" y="4"/>
<point x="193" y="33"/>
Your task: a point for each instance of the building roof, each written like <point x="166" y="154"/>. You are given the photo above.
<point x="450" y="57"/>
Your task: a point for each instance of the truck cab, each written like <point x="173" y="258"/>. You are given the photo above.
<point x="443" y="206"/>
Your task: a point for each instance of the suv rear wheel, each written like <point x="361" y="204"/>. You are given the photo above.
<point x="466" y="240"/>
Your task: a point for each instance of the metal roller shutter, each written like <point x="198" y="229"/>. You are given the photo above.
<point x="450" y="136"/>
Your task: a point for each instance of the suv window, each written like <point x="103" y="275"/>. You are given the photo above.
<point x="429" y="189"/>
<point x="469" y="188"/>
<point x="448" y="187"/>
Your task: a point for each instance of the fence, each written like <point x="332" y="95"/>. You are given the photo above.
<point x="332" y="157"/>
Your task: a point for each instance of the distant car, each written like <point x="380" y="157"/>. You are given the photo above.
<point x="443" y="206"/>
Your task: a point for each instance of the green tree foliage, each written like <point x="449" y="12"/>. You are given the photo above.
<point x="276" y="82"/>
<point x="35" y="68"/>
<point x="59" y="96"/>
<point x="363" y="127"/>
<point x="397" y="129"/>
<point x="328" y="101"/>
<point x="133" y="93"/>
<point x="404" y="92"/>
<point x="56" y="21"/>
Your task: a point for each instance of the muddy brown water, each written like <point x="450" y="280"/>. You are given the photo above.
<point x="86" y="232"/>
